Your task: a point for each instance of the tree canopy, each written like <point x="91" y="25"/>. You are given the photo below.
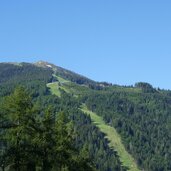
<point x="36" y="138"/>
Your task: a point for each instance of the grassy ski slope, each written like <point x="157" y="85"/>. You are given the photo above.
<point x="114" y="139"/>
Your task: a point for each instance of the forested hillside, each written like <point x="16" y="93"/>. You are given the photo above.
<point x="90" y="145"/>
<point x="141" y="115"/>
<point x="32" y="77"/>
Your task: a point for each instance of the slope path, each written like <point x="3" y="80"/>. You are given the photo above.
<point x="114" y="139"/>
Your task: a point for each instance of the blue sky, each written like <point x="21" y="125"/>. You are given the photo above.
<point x="122" y="41"/>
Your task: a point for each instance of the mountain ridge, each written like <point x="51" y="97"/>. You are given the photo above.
<point x="62" y="71"/>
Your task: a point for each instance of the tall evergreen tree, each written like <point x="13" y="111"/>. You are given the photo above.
<point x="18" y="111"/>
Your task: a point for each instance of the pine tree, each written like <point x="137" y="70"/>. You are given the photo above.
<point x="18" y="111"/>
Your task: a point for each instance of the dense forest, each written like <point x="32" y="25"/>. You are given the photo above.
<point x="143" y="118"/>
<point x="89" y="148"/>
<point x="41" y="131"/>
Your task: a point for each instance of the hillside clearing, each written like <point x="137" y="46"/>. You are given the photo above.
<point x="114" y="139"/>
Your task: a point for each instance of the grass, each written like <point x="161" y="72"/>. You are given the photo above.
<point x="69" y="87"/>
<point x="114" y="139"/>
<point x="61" y="80"/>
<point x="54" y="88"/>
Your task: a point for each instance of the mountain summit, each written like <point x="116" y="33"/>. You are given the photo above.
<point x="44" y="64"/>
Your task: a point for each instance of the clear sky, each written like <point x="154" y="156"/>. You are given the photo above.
<point x="119" y="41"/>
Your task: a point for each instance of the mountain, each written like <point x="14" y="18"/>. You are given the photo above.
<point x="72" y="76"/>
<point x="122" y="127"/>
